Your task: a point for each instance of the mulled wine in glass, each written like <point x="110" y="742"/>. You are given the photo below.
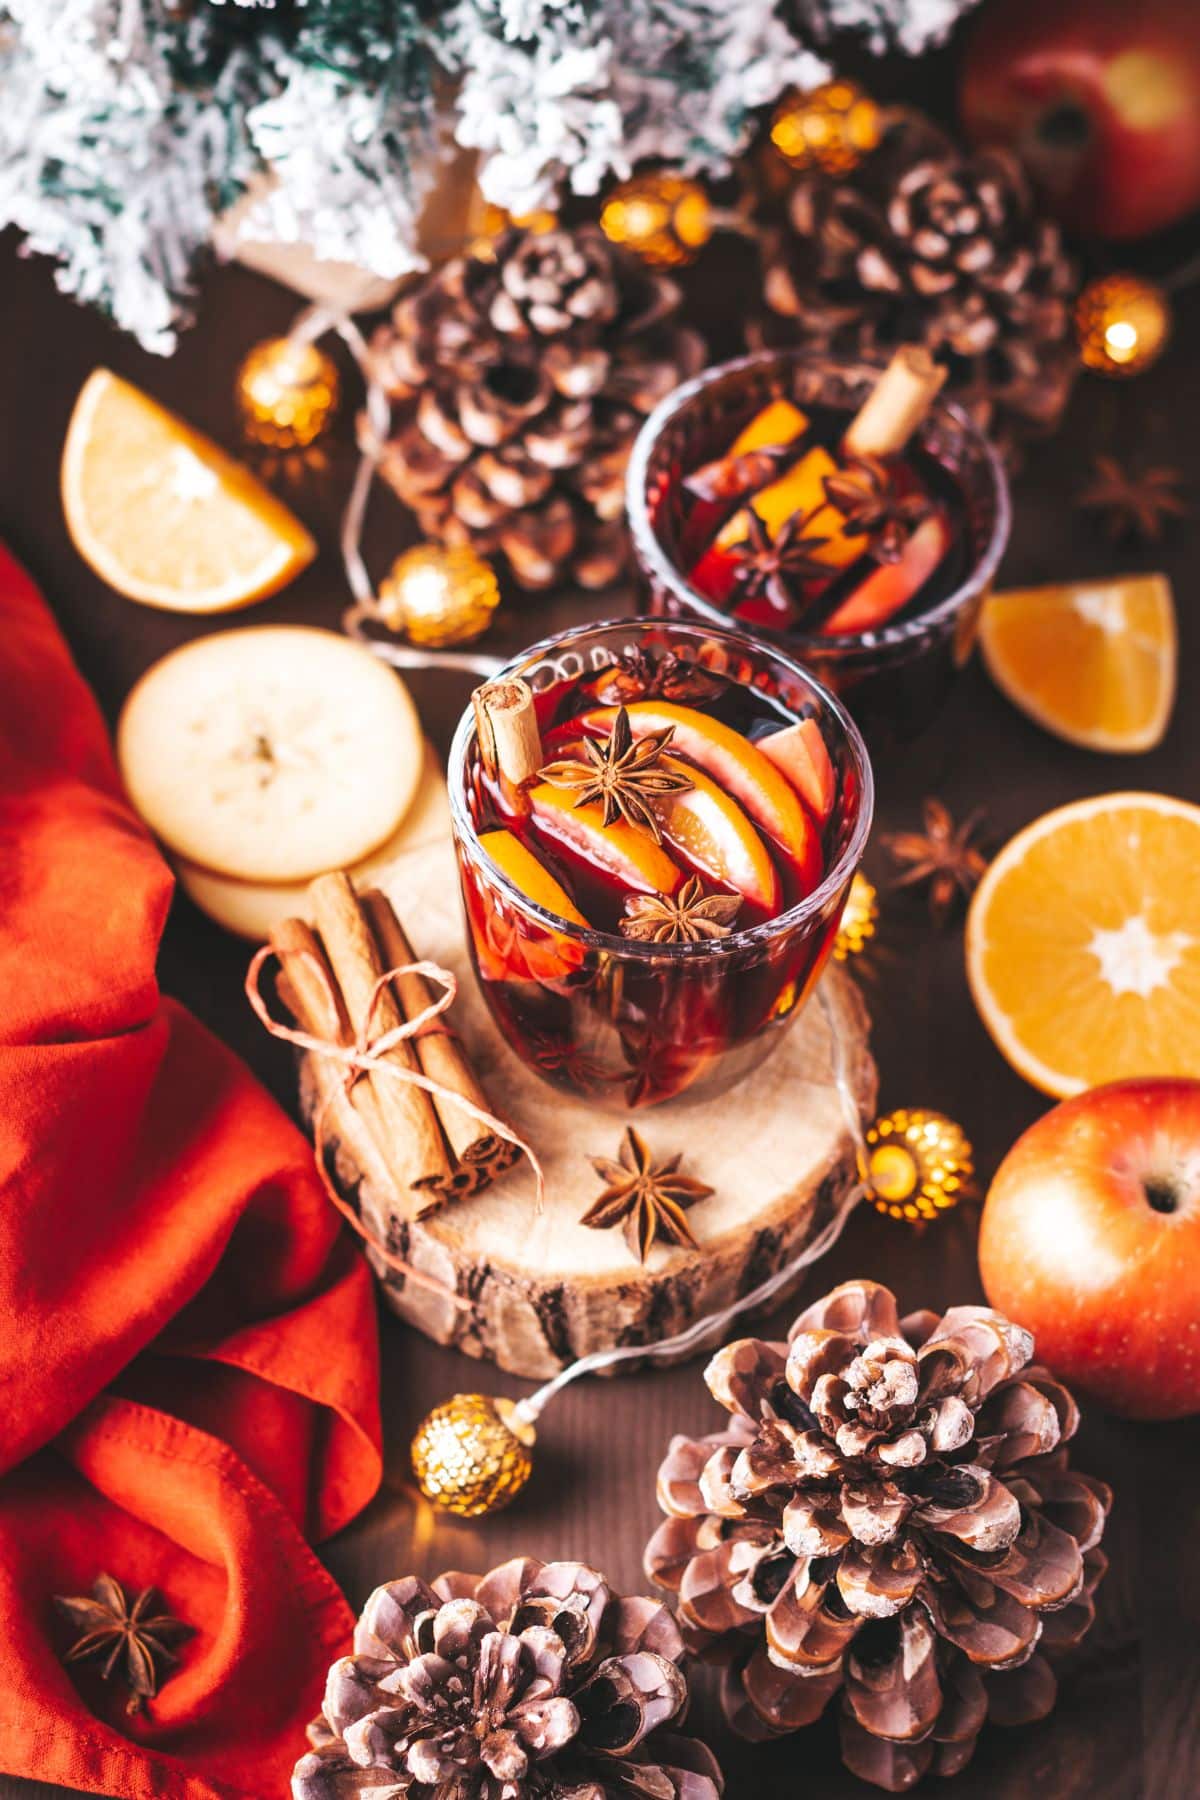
<point x="784" y="494"/>
<point x="653" y="897"/>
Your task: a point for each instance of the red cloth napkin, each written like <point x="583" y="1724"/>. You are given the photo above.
<point x="189" y="1363"/>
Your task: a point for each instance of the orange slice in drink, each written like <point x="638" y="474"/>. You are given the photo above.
<point x="716" y="837"/>
<point x="777" y="425"/>
<point x="532" y="877"/>
<point x="1093" y="662"/>
<point x="1083" y="946"/>
<point x="737" y="766"/>
<point x="629" y="856"/>
<point x="800" y="490"/>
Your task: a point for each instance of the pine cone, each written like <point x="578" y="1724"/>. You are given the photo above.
<point x="923" y="244"/>
<point x="533" y="1682"/>
<point x="518" y="385"/>
<point x="889" y="1516"/>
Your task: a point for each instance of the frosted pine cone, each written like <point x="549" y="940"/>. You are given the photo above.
<point x="518" y="385"/>
<point x="533" y="1682"/>
<point x="889" y="1516"/>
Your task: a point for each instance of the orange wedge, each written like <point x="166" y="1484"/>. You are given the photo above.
<point x="779" y="423"/>
<point x="630" y="856"/>
<point x="800" y="490"/>
<point x="532" y="877"/>
<point x="716" y="837"/>
<point x="163" y="515"/>
<point x="1093" y="662"/>
<point x="1083" y="944"/>
<point x="737" y="766"/>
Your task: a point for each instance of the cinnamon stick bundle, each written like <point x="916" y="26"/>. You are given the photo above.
<point x="433" y="1149"/>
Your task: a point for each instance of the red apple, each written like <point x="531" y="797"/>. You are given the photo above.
<point x="1101" y="101"/>
<point x="1091" y="1237"/>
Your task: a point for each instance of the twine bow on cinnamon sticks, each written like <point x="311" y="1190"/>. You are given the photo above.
<point x="364" y="1003"/>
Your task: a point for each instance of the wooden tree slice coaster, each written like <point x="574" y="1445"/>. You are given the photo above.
<point x="542" y="1289"/>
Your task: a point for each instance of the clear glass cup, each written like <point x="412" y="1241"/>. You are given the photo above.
<point x="893" y="678"/>
<point x="625" y="1023"/>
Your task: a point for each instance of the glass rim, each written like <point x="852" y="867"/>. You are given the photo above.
<point x="655" y="559"/>
<point x="753" y="936"/>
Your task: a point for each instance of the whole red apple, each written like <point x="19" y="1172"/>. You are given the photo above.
<point x="1101" y="101"/>
<point x="1091" y="1238"/>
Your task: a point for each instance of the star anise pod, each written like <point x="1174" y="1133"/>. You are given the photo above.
<point x="775" y="566"/>
<point x="946" y="856"/>
<point x="864" y="493"/>
<point x="622" y="773"/>
<point x="649" y="1199"/>
<point x="133" y="1634"/>
<point x="687" y="917"/>
<point x="1133" y="506"/>
<point x="639" y="675"/>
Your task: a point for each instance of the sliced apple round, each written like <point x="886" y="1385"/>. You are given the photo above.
<point x="737" y="766"/>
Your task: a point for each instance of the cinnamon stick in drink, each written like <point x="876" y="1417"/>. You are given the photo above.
<point x="896" y="404"/>
<point x="309" y="991"/>
<point x="439" y="1051"/>
<point x="510" y="744"/>
<point x="414" y="1136"/>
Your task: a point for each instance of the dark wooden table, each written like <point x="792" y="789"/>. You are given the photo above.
<point x="1128" y="1719"/>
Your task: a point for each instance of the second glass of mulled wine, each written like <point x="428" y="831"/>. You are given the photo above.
<point x="654" y="857"/>
<point x="843" y="511"/>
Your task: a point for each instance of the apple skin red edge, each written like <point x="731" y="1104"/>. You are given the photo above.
<point x="1090" y="1237"/>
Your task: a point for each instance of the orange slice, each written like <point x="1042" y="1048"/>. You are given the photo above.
<point x="779" y="423"/>
<point x="1083" y="944"/>
<point x="163" y="515"/>
<point x="1093" y="661"/>
<point x="800" y="490"/>
<point x="531" y="876"/>
<point x="622" y="851"/>
<point x="716" y="837"/>
<point x="737" y="766"/>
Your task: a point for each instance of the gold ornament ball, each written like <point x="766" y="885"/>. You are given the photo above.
<point x="287" y="393"/>
<point x="666" y="219"/>
<point x="488" y="223"/>
<point x="1122" y="323"/>
<point x="472" y="1455"/>
<point x="918" y="1164"/>
<point x="438" y="596"/>
<point x="830" y="128"/>
<point x="858" y="920"/>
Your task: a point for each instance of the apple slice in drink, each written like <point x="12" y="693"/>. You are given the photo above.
<point x="890" y="586"/>
<point x="799" y="753"/>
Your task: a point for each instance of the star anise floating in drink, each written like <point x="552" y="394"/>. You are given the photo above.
<point x="864" y="492"/>
<point x="132" y="1635"/>
<point x="1133" y="506"/>
<point x="650" y="1199"/>
<point x="687" y="917"/>
<point x="771" y="565"/>
<point x="945" y="857"/>
<point x="620" y="773"/>
<point x="638" y="675"/>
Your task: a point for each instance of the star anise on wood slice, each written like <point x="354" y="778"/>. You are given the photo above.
<point x="622" y="773"/>
<point x="864" y="493"/>
<point x="775" y="566"/>
<point x="1133" y="506"/>
<point x="945" y="857"/>
<point x="649" y="1199"/>
<point x="687" y="917"/>
<point x="132" y="1634"/>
